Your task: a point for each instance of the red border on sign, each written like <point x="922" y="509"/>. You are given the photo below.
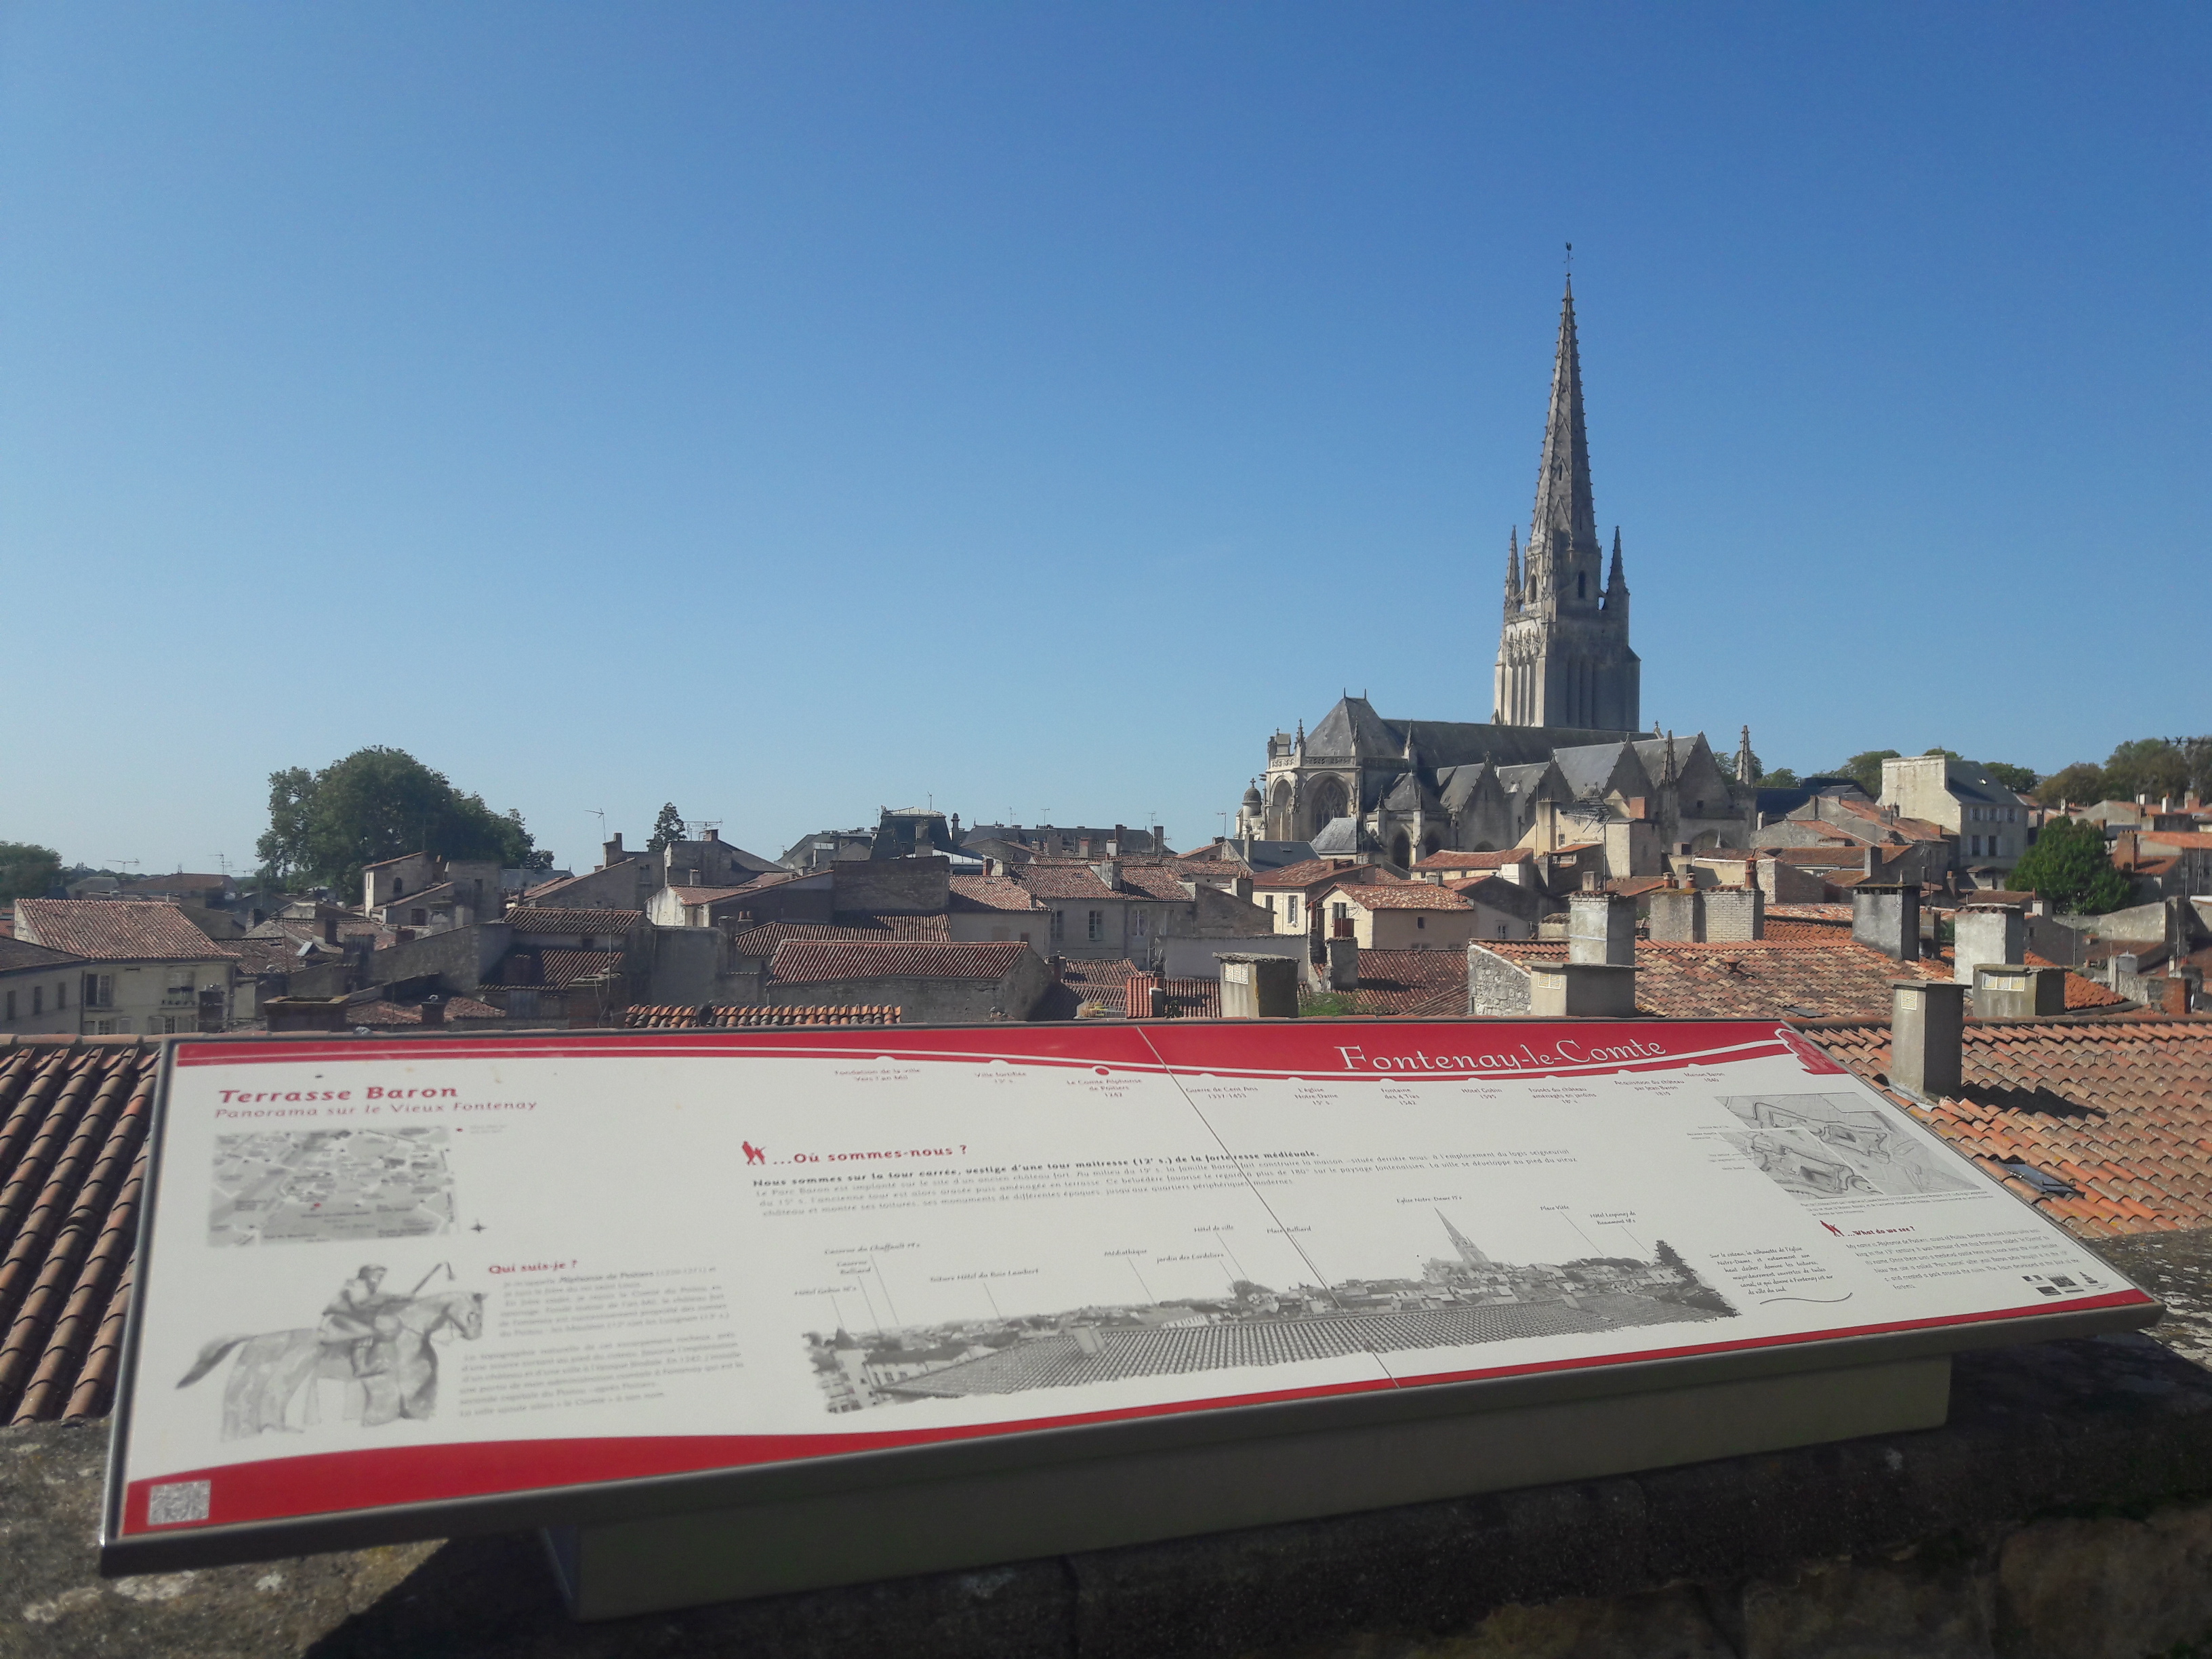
<point x="289" y="1488"/>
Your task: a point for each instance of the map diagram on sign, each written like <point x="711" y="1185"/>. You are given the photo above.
<point x="1823" y="1146"/>
<point x="314" y="1186"/>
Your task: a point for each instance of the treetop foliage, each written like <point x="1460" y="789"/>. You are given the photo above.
<point x="2154" y="768"/>
<point x="667" y="828"/>
<point x="2069" y="865"/>
<point x="376" y="803"/>
<point x="26" y="870"/>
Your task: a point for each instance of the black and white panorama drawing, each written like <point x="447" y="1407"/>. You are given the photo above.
<point x="1458" y="1300"/>
<point x="1829" y="1147"/>
<point x="378" y="1347"/>
<point x="329" y="1186"/>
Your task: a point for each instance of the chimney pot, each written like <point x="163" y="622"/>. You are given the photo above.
<point x="433" y="1011"/>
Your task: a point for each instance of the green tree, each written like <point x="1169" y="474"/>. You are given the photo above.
<point x="2197" y="752"/>
<point x="1782" y="777"/>
<point x="2154" y="767"/>
<point x="668" y="827"/>
<point x="1864" y="768"/>
<point x="2069" y="865"/>
<point x="2020" y="780"/>
<point x="27" y="871"/>
<point x="377" y="803"/>
<point x="2082" y="783"/>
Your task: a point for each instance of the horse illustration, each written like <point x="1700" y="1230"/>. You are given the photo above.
<point x="275" y="1367"/>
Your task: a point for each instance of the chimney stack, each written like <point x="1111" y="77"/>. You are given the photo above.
<point x="611" y="850"/>
<point x="1927" y="1028"/>
<point x="331" y="930"/>
<point x="710" y="833"/>
<point x="1888" y="919"/>
<point x="1994" y="935"/>
<point x="1160" y="838"/>
<point x="433" y="1010"/>
<point x="1602" y="928"/>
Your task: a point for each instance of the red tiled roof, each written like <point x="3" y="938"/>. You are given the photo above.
<point x="1811" y="911"/>
<point x="1401" y="896"/>
<point x="1447" y="860"/>
<point x="1402" y="984"/>
<point x="552" y="918"/>
<point x="684" y="1018"/>
<point x="1761" y="979"/>
<point x="73" y="1118"/>
<point x="1634" y="886"/>
<point x="1802" y="930"/>
<point x="856" y="927"/>
<point x="990" y="893"/>
<point x="2176" y="838"/>
<point x="804" y="962"/>
<point x="1100" y="987"/>
<point x="114" y="930"/>
<point x="567" y="967"/>
<point x="1307" y="871"/>
<point x="1054" y="878"/>
<point x="2119" y="1108"/>
<point x="1156" y="881"/>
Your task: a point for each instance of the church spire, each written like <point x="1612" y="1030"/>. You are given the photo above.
<point x="1746" y="769"/>
<point x="1565" y="518"/>
<point x="1512" y="567"/>
<point x="1616" y="583"/>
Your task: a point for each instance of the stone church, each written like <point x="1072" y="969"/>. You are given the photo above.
<point x="1562" y="753"/>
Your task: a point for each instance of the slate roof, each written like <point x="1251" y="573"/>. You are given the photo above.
<point x="2120" y="1109"/>
<point x="856" y="926"/>
<point x="1401" y="896"/>
<point x="73" y="1117"/>
<point x="804" y="962"/>
<point x="552" y="918"/>
<point x="682" y="1016"/>
<point x="114" y="930"/>
<point x="990" y="893"/>
<point x="1342" y="837"/>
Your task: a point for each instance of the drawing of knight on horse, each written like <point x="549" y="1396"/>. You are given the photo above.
<point x="378" y="1346"/>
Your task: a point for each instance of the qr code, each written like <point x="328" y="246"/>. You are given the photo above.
<point x="179" y="1501"/>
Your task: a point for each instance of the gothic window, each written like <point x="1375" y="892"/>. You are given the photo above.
<point x="1400" y="850"/>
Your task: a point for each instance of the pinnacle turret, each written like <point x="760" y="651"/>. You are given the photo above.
<point x="1615" y="583"/>
<point x="1512" y="568"/>
<point x="1564" y="518"/>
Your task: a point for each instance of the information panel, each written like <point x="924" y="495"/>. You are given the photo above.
<point x="384" y="1274"/>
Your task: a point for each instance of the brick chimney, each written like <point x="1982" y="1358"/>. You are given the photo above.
<point x="611" y="850"/>
<point x="433" y="1011"/>
<point x="1927" y="1025"/>
<point x="1160" y="838"/>
<point x="710" y="833"/>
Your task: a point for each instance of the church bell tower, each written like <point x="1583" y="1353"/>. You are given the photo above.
<point x="1563" y="653"/>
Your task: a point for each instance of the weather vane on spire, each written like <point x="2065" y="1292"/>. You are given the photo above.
<point x="1571" y="258"/>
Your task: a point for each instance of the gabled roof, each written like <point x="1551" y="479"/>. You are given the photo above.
<point x="1971" y="781"/>
<point x="1156" y="881"/>
<point x="990" y="893"/>
<point x="1341" y="838"/>
<point x="1063" y="878"/>
<point x="1309" y="871"/>
<point x="553" y="918"/>
<point x="2119" y="1109"/>
<point x="799" y="963"/>
<point x="1400" y="896"/>
<point x="562" y="968"/>
<point x="1354" y="719"/>
<point x="114" y="930"/>
<point x="1594" y="769"/>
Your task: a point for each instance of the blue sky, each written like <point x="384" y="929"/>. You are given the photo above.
<point x="793" y="411"/>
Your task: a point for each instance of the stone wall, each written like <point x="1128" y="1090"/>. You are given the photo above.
<point x="1494" y="986"/>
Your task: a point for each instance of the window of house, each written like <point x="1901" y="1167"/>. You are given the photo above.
<point x="1420" y="922"/>
<point x="11" y="1005"/>
<point x="1097" y="925"/>
<point x="1137" y="923"/>
<point x="1059" y="926"/>
<point x="418" y="917"/>
<point x="61" y="995"/>
<point x="398" y="888"/>
<point x="104" y="1027"/>
<point x="1339" y="912"/>
<point x="99" y="990"/>
<point x="1271" y="904"/>
<point x="122" y="1025"/>
<point x="38" y="999"/>
<point x="1294" y="910"/>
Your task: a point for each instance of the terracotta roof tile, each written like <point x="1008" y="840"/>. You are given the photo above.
<point x="1408" y="984"/>
<point x="567" y="967"/>
<point x="2118" y="1107"/>
<point x="1448" y="860"/>
<point x="854" y="927"/>
<point x="804" y="962"/>
<point x="552" y="919"/>
<point x="1306" y="872"/>
<point x="1056" y="878"/>
<point x="990" y="893"/>
<point x="114" y="930"/>
<point x="1401" y="896"/>
<point x="1156" y="881"/>
<point x="73" y="1118"/>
